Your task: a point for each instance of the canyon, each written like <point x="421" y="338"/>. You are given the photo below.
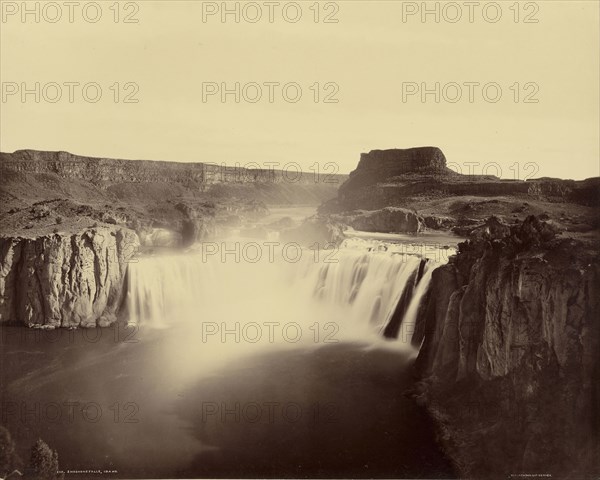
<point x="506" y="330"/>
<point x="37" y="187"/>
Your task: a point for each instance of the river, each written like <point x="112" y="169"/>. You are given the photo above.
<point x="225" y="367"/>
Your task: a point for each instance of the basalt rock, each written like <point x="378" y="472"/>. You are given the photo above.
<point x="403" y="177"/>
<point x="438" y="222"/>
<point x="109" y="171"/>
<point x="194" y="226"/>
<point x="317" y="229"/>
<point x="388" y="220"/>
<point x="65" y="280"/>
<point x="510" y="354"/>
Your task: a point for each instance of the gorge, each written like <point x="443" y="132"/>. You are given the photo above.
<point x="480" y="345"/>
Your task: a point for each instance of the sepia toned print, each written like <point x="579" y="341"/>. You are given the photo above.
<point x="299" y="239"/>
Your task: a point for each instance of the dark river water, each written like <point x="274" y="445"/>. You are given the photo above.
<point x="165" y="400"/>
<point x="137" y="404"/>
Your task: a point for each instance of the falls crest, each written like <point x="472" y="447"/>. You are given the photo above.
<point x="364" y="294"/>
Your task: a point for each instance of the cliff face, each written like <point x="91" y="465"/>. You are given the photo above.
<point x="381" y="167"/>
<point x="510" y="354"/>
<point x="64" y="280"/>
<point x="403" y="177"/>
<point x="99" y="171"/>
<point x="385" y="164"/>
<point x="149" y="190"/>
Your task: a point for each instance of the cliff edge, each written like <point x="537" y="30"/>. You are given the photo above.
<point x="65" y="280"/>
<point x="510" y="353"/>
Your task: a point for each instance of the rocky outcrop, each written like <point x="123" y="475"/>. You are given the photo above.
<point x="194" y="226"/>
<point x="65" y="280"/>
<point x="405" y="177"/>
<point x="159" y="237"/>
<point x="510" y="353"/>
<point x="438" y="222"/>
<point x="382" y="165"/>
<point x="320" y="230"/>
<point x="388" y="220"/>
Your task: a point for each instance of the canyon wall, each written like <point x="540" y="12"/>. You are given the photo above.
<point x="147" y="183"/>
<point x="100" y="171"/>
<point x="510" y="354"/>
<point x="65" y="280"/>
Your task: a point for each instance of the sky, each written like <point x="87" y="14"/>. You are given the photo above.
<point x="513" y="86"/>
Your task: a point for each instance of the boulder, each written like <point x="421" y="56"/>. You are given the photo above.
<point x="386" y="220"/>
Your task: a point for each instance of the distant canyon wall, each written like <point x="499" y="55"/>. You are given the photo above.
<point x="101" y="171"/>
<point x="65" y="280"/>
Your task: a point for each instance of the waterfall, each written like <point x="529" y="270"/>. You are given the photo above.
<point x="407" y="327"/>
<point x="364" y="287"/>
<point x="353" y="293"/>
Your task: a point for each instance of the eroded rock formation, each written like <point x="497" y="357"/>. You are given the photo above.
<point x="405" y="177"/>
<point x="389" y="219"/>
<point x="510" y="354"/>
<point x="65" y="280"/>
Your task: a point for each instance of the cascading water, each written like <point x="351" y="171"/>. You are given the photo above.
<point x="258" y="296"/>
<point x="362" y="287"/>
<point x="241" y="328"/>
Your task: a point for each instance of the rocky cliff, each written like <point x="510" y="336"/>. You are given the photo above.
<point x="394" y="177"/>
<point x="419" y="180"/>
<point x="65" y="280"/>
<point x="145" y="194"/>
<point x="109" y="171"/>
<point x="510" y="353"/>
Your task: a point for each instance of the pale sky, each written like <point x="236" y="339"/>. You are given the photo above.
<point x="371" y="54"/>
